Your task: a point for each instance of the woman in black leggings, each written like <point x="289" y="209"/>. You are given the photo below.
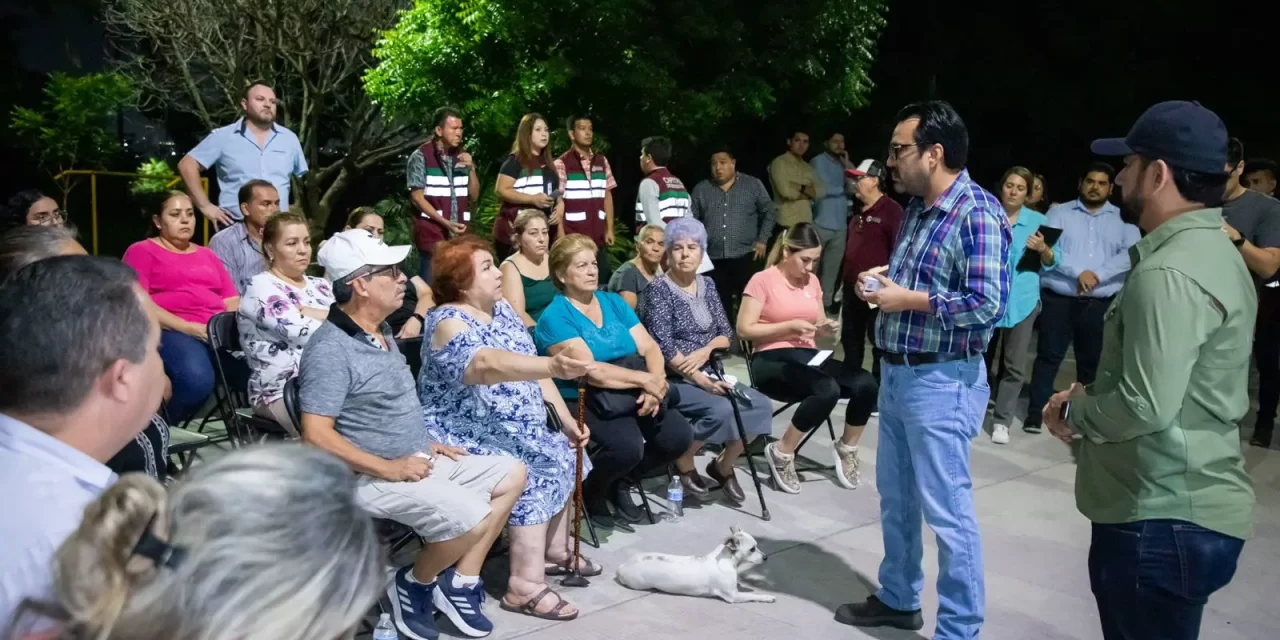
<point x="782" y="314"/>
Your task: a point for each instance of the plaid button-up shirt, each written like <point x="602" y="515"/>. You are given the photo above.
<point x="957" y="251"/>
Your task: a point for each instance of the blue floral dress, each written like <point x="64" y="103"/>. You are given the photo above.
<point x="505" y="419"/>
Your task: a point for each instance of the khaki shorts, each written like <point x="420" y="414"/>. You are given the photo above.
<point x="447" y="504"/>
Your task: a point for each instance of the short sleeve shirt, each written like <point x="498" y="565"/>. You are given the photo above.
<point x="192" y="286"/>
<point x="236" y="153"/>
<point x="1257" y="217"/>
<point x="560" y="322"/>
<point x="782" y="302"/>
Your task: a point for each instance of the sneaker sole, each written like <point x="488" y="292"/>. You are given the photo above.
<point x="397" y="615"/>
<point x="915" y="623"/>
<point x="446" y="606"/>
<point x="841" y="479"/>
<point x="777" y="477"/>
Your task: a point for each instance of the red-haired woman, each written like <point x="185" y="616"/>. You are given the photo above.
<point x="526" y="180"/>
<point x="482" y="388"/>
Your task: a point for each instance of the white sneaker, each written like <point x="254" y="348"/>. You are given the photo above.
<point x="1000" y="434"/>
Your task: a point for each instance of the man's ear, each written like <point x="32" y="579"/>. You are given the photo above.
<point x="118" y="380"/>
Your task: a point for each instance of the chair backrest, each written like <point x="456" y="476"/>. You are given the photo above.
<point x="224" y="333"/>
<point x="292" y="401"/>
<point x="411" y="349"/>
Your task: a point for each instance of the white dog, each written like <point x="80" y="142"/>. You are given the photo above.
<point x="714" y="575"/>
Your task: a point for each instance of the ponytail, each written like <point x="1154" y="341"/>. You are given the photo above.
<point x="800" y="237"/>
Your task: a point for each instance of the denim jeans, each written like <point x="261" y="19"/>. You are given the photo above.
<point x="928" y="416"/>
<point x="1152" y="578"/>
<point x="189" y="364"/>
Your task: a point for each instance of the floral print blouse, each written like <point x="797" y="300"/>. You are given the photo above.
<point x="273" y="330"/>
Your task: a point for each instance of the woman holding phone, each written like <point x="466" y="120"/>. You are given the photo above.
<point x="527" y="179"/>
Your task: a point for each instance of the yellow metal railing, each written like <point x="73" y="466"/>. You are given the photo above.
<point x="93" y="195"/>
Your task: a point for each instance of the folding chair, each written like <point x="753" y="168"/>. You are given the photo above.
<point x="411" y="349"/>
<point x="748" y="353"/>
<point x="237" y="415"/>
<point x="718" y="366"/>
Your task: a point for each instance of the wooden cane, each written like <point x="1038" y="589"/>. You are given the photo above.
<point x="575" y="577"/>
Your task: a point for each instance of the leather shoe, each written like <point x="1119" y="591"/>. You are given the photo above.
<point x="732" y="490"/>
<point x="694" y="486"/>
<point x="626" y="509"/>
<point x="1262" y="437"/>
<point x="605" y="520"/>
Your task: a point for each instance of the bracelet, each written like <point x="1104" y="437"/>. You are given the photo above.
<point x="420" y="318"/>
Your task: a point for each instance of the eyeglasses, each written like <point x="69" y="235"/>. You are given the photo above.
<point x="48" y="218"/>
<point x="393" y="268"/>
<point x="895" y="148"/>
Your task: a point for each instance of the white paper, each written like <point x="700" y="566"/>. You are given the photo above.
<point x="820" y="358"/>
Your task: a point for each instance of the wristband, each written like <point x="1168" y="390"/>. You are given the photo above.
<point x="420" y="318"/>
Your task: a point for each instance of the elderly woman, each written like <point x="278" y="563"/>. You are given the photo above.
<point x="626" y="408"/>
<point x="266" y="542"/>
<point x="406" y="322"/>
<point x="781" y="314"/>
<point x="683" y="313"/>
<point x="526" y="280"/>
<point x="634" y="276"/>
<point x="30" y="207"/>
<point x="281" y="308"/>
<point x="482" y="388"/>
<point x="189" y="285"/>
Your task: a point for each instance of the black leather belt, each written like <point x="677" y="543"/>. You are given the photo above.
<point x="916" y="359"/>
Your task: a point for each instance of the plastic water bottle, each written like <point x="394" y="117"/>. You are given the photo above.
<point x="675" y="494"/>
<point x="385" y="629"/>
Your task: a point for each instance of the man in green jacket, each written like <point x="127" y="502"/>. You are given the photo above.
<point x="1160" y="472"/>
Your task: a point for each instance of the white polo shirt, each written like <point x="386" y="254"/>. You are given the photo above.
<point x="46" y="486"/>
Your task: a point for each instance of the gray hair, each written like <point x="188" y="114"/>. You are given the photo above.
<point x="23" y="245"/>
<point x="50" y="367"/>
<point x="275" y="544"/>
<point x="682" y="229"/>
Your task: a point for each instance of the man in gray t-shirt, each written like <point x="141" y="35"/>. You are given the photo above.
<point x="359" y="403"/>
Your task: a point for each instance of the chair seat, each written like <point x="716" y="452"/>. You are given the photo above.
<point x="182" y="441"/>
<point x="258" y="423"/>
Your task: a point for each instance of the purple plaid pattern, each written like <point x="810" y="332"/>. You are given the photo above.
<point x="956" y="250"/>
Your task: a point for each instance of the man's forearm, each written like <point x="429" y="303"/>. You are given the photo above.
<point x="189" y="168"/>
<point x="1262" y="262"/>
<point x="473" y="187"/>
<point x="420" y="201"/>
<point x="333" y="442"/>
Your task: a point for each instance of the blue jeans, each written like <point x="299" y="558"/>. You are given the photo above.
<point x="424" y="266"/>
<point x="1152" y="578"/>
<point x="189" y="364"/>
<point x="928" y="416"/>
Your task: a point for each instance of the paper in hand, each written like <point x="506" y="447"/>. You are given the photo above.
<point x="820" y="357"/>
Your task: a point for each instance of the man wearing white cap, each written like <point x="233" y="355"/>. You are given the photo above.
<point x="359" y="402"/>
<point x="873" y="232"/>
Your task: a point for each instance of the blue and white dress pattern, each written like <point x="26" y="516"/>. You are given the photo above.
<point x="505" y="419"/>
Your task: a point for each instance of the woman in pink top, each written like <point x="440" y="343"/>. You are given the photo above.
<point x="782" y="314"/>
<point x="189" y="285"/>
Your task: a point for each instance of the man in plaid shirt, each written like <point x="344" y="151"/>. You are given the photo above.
<point x="946" y="285"/>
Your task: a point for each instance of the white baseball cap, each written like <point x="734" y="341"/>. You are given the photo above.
<point x="867" y="167"/>
<point x="347" y="252"/>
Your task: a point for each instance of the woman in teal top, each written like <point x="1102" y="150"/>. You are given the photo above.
<point x="638" y="434"/>
<point x="1013" y="331"/>
<point x="526" y="280"/>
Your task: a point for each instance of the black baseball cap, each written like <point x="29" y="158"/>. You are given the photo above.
<point x="1183" y="134"/>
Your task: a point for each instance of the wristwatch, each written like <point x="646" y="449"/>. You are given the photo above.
<point x="1238" y="242"/>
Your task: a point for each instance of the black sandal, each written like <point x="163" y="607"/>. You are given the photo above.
<point x="530" y="608"/>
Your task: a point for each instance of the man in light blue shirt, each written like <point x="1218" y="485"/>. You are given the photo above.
<point x="831" y="213"/>
<point x="1093" y="259"/>
<point x="100" y="380"/>
<point x="253" y="147"/>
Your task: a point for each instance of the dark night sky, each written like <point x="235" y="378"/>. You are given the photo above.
<point x="1034" y="81"/>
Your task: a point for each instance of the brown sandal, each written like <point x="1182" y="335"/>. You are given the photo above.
<point x="589" y="569"/>
<point x="530" y="608"/>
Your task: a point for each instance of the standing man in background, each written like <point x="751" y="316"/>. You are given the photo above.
<point x="661" y="197"/>
<point x="442" y="185"/>
<point x="1094" y="258"/>
<point x="831" y="217"/>
<point x="587" y="206"/>
<point x="1252" y="221"/>
<point x="795" y="185"/>
<point x="738" y="214"/>
<point x="1260" y="175"/>
<point x="253" y="147"/>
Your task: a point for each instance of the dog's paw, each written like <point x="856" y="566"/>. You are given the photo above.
<point x="768" y="599"/>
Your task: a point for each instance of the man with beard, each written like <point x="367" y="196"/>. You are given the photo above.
<point x="739" y="217"/>
<point x="946" y="285"/>
<point x="253" y="147"/>
<point x="1094" y="258"/>
<point x="1160" y="473"/>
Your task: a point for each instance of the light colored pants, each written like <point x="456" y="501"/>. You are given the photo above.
<point x="276" y="411"/>
<point x="1015" y="366"/>
<point x="829" y="264"/>
<point x="444" y="505"/>
<point x="928" y="416"/>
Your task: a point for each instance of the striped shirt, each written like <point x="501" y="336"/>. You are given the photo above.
<point x="957" y="250"/>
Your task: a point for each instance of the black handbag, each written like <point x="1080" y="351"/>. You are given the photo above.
<point x="618" y="403"/>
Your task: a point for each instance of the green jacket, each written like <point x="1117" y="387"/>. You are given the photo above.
<point x="1161" y="439"/>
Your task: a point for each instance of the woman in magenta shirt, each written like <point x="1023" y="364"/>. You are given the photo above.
<point x="189" y="286"/>
<point x="782" y="314"/>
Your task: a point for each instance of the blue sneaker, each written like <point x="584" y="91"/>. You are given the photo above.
<point x="463" y="607"/>
<point x="412" y="606"/>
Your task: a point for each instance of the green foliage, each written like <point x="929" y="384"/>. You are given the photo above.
<point x="685" y="69"/>
<point x="74" y="126"/>
<point x="157" y="176"/>
<point x="397" y="218"/>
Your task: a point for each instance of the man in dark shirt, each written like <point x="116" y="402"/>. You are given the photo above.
<point x="872" y="235"/>
<point x="739" y="216"/>
<point x="1252" y="221"/>
<point x="1260" y="175"/>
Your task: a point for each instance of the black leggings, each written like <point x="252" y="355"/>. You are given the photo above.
<point x="785" y="375"/>
<point x="632" y="443"/>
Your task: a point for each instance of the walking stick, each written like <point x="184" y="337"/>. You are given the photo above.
<point x="575" y="577"/>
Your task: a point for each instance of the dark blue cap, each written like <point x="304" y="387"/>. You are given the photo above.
<point x="1183" y="134"/>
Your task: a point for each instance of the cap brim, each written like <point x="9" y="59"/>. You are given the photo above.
<point x="854" y="173"/>
<point x="1110" y="147"/>
<point x="392" y="255"/>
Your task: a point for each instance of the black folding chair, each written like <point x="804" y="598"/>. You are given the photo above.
<point x="718" y="366"/>
<point x="748" y="352"/>
<point x="233" y="404"/>
<point x="411" y="349"/>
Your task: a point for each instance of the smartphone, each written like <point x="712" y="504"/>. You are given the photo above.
<point x="871" y="285"/>
<point x="1065" y="412"/>
<point x="739" y="391"/>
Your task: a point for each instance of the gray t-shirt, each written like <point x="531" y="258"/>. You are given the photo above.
<point x="370" y="392"/>
<point x="1256" y="216"/>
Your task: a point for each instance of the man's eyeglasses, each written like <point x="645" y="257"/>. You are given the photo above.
<point x="895" y="148"/>
<point x="394" y="270"/>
